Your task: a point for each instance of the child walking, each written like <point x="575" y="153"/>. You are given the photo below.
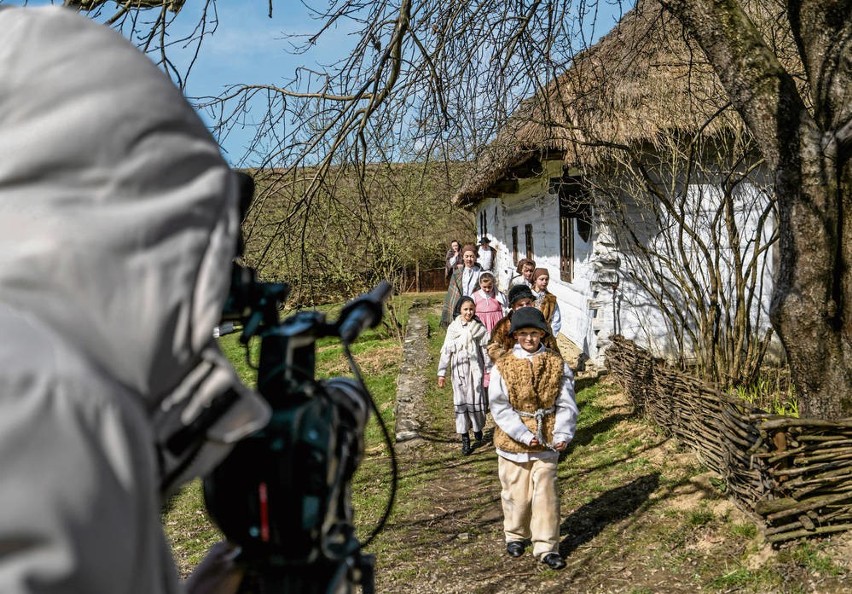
<point x="464" y="355"/>
<point x="491" y="305"/>
<point x="532" y="401"/>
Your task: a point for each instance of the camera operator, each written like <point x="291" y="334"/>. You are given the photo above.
<point x="118" y="224"/>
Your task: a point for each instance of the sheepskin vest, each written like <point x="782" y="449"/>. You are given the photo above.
<point x="547" y="305"/>
<point x="532" y="384"/>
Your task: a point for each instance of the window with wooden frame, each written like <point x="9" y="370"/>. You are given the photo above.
<point x="528" y="240"/>
<point x="575" y="218"/>
<point x="483" y="223"/>
<point x="566" y="248"/>
<point x="515" y="244"/>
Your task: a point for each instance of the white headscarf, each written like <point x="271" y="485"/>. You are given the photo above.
<point x="465" y="336"/>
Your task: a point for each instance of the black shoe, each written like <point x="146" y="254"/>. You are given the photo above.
<point x="466" y="449"/>
<point x="477" y="436"/>
<point x="553" y="561"/>
<point x="515" y="548"/>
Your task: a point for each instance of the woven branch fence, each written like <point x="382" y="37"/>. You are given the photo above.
<point x="796" y="474"/>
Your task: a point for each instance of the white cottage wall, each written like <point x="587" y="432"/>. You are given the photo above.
<point x="533" y="205"/>
<point x="603" y="298"/>
<point x="641" y="317"/>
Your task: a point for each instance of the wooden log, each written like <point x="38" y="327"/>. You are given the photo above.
<point x="812" y="503"/>
<point x="779" y="472"/>
<point x="783" y="422"/>
<point x="781" y="537"/>
<point x="840" y="473"/>
<point x="769" y="506"/>
<point x="839" y="454"/>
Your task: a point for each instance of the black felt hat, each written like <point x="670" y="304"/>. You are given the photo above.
<point x="528" y="317"/>
<point x="520" y="292"/>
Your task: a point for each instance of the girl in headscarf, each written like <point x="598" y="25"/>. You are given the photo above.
<point x="464" y="356"/>
<point x="491" y="305"/>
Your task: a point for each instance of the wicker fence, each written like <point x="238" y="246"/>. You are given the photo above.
<point x="796" y="474"/>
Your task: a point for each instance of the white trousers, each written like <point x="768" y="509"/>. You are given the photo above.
<point x="530" y="503"/>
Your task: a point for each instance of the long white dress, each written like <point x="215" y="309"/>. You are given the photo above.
<point x="464" y="355"/>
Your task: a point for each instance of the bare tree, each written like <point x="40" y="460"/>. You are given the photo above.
<point x="803" y="131"/>
<point x="435" y="79"/>
<point x="695" y="229"/>
<point x="806" y="139"/>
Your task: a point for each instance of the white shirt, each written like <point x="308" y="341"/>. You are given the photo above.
<point x="470" y="280"/>
<point x="486" y="258"/>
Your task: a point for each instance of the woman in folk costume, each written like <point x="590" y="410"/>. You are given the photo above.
<point x="546" y="301"/>
<point x="491" y="304"/>
<point x="463" y="283"/>
<point x="464" y="355"/>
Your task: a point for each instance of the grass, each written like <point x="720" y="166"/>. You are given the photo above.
<point x="772" y="392"/>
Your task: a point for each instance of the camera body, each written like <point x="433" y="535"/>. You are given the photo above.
<point x="283" y="494"/>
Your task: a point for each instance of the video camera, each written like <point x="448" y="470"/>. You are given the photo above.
<point x="283" y="494"/>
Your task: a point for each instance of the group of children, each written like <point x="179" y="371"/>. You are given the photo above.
<point x="511" y="366"/>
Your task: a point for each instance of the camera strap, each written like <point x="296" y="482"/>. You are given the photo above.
<point x="185" y="443"/>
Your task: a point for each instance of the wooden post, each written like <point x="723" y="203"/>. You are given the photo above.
<point x="780" y="441"/>
<point x="417" y="276"/>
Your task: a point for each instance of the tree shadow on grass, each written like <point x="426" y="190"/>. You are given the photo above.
<point x="610" y="507"/>
<point x="585" y="435"/>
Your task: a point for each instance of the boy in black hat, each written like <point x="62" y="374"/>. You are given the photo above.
<point x="487" y="254"/>
<point x="531" y="397"/>
<point x="501" y="341"/>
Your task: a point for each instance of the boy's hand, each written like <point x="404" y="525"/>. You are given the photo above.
<point x="441" y="380"/>
<point x="560" y="446"/>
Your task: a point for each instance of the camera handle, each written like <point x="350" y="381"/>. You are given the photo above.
<point x="362" y="313"/>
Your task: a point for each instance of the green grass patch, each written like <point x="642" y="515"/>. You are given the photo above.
<point x="809" y="556"/>
<point x="632" y="501"/>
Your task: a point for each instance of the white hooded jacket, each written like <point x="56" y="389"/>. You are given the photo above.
<point x="118" y="222"/>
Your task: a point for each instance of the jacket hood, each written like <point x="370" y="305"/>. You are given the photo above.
<point x="118" y="215"/>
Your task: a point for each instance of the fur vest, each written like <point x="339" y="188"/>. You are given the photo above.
<point x="532" y="384"/>
<point x="547" y="305"/>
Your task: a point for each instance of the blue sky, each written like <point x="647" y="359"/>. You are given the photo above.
<point x="249" y="47"/>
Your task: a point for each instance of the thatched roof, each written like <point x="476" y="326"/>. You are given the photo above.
<point x="640" y="81"/>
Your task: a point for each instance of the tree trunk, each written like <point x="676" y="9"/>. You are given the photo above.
<point x="812" y="299"/>
<point x="807" y="141"/>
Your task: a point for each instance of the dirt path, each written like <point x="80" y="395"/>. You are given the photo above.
<point x="639" y="515"/>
